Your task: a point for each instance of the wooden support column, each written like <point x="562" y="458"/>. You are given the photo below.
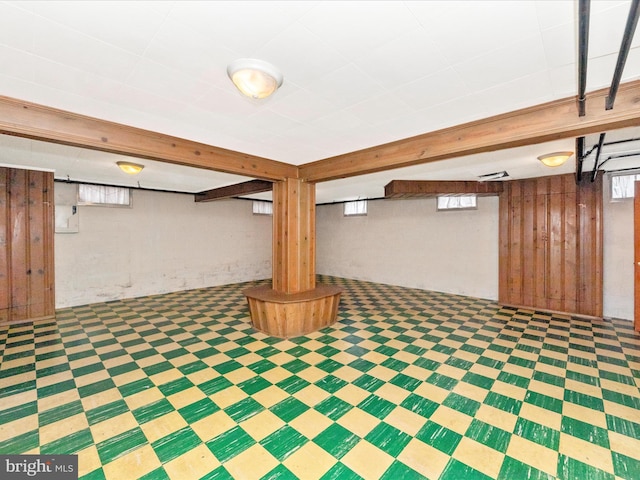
<point x="294" y="305"/>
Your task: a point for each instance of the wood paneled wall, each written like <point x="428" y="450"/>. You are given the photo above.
<point x="26" y="245"/>
<point x="551" y="244"/>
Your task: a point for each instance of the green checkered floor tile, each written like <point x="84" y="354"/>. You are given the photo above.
<point x="407" y="384"/>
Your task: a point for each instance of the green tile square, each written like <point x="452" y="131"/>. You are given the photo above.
<point x="330" y="383"/>
<point x="176" y="444"/>
<point x="97" y="474"/>
<point x="230" y="443"/>
<point x="175" y="386"/>
<point x="585" y="431"/>
<point x="254" y="385"/>
<point x="298" y="351"/>
<point x="543" y="401"/>
<point x="329" y="365"/>
<point x="283" y="442"/>
<point x="388" y="439"/>
<point x="293" y="384"/>
<point x="279" y="473"/>
<point x="219" y="473"/>
<point x="122" y="369"/>
<point x="198" y="410"/>
<point x="60" y="413"/>
<point x="459" y="363"/>
<point x="295" y="366"/>
<point x="395" y="364"/>
<point x="368" y="383"/>
<point x="192" y="367"/>
<point x="18" y="412"/>
<point x="106" y="412"/>
<point x="549" y="378"/>
<point x="135" y="387"/>
<point x="289" y="408"/>
<point x="461" y="404"/>
<point x="572" y="469"/>
<point x="376" y="406"/>
<point x="439" y="437"/>
<point x="157" y="368"/>
<point x="427" y="363"/>
<point x="70" y="444"/>
<point x="398" y="470"/>
<point x="336" y="440"/>
<point x="478" y="380"/>
<point x="333" y="407"/>
<point x="584" y="400"/>
<point x="157" y="474"/>
<point x="329" y="351"/>
<point x="152" y="411"/>
<point x="339" y="471"/>
<point x="456" y="470"/>
<point x="21" y="443"/>
<point x="442" y="381"/>
<point x="504" y="403"/>
<point x="55" y="388"/>
<point x="626" y="467"/>
<point x="514" y="469"/>
<point x="420" y="405"/>
<point x="120" y="444"/>
<point x="262" y="366"/>
<point x="244" y="409"/>
<point x="354" y="350"/>
<point x="237" y="352"/>
<point x="95" y="388"/>
<point x="621" y="398"/>
<point x="488" y="435"/>
<point x="227" y="367"/>
<point x="623" y="426"/>
<point x="362" y="365"/>
<point x="214" y="385"/>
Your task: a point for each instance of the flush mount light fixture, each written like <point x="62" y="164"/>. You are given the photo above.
<point x="130" y="168"/>
<point x="555" y="159"/>
<point x="254" y="78"/>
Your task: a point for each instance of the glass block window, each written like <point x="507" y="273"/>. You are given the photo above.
<point x="457" y="202"/>
<point x="104" y="195"/>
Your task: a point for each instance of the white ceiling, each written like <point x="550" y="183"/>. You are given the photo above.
<point x="356" y="74"/>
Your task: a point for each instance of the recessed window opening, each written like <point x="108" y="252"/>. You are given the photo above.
<point x="262" y="208"/>
<point x="355" y="208"/>
<point x="103" y="195"/>
<point x="457" y="202"/>
<point x="623" y="184"/>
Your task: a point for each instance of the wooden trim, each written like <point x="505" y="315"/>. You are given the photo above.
<point x="636" y="256"/>
<point x="237" y="190"/>
<point x="542" y="123"/>
<point x="29" y="120"/>
<point x="425" y="188"/>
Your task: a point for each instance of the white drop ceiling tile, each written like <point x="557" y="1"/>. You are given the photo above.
<point x="346" y="86"/>
<point x="485" y="25"/>
<point x="606" y="29"/>
<point x="341" y="122"/>
<point x="271" y="122"/>
<point x="354" y="28"/>
<point x="302" y="105"/>
<point x="227" y="101"/>
<point x="515" y="60"/>
<point x="17" y="26"/>
<point x="63" y="45"/>
<point x="17" y="63"/>
<point x="301" y="55"/>
<point x="600" y="71"/>
<point x="560" y="46"/>
<point x="380" y="109"/>
<point x="434" y="89"/>
<point x="508" y="97"/>
<point x="556" y="13"/>
<point x="564" y="81"/>
<point x="403" y="60"/>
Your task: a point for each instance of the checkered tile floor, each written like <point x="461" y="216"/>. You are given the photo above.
<point x="407" y="384"/>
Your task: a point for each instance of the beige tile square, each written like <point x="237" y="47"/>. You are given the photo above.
<point x="19" y="399"/>
<point x="622" y="411"/>
<point x="358" y="422"/>
<point x="134" y="464"/>
<point x="479" y="456"/>
<point x="270" y="396"/>
<point x="201" y="376"/>
<point x="547" y="389"/>
<point x="391" y="392"/>
<point x="62" y="428"/>
<point x="509" y="390"/>
<point x="213" y="425"/>
<point x="311" y="395"/>
<point x="517" y="370"/>
<point x="143" y="398"/>
<point x="309" y="462"/>
<point x="163" y="426"/>
<point x="541" y="415"/>
<point x="10" y="430"/>
<point x="128" y="377"/>
<point x="496" y="417"/>
<point x="361" y="457"/>
<point x="417" y="372"/>
<point x="88" y="460"/>
<point x="348" y="374"/>
<point x="62" y="377"/>
<point x="373" y="357"/>
<point x="451" y="371"/>
<point x="383" y="373"/>
<point x="151" y="360"/>
<point x="186" y="397"/>
<point x="194" y="464"/>
<point x="405" y="420"/>
<point x="630" y="390"/>
<point x="262" y="425"/>
<point x="424" y="459"/>
<point x="112" y="427"/>
<point x="530" y="453"/>
<point x="471" y="391"/>
<point x="584" y="414"/>
<point x="254" y="462"/>
<point x="625" y="445"/>
<point x="166" y="376"/>
<point x="585" y="388"/>
<point x="312" y="374"/>
<point x="240" y="375"/>
<point x="276" y="374"/>
<point x="586" y="452"/>
<point x="352" y="394"/>
<point x="228" y="396"/>
<point x="57" y="400"/>
<point x="452" y="419"/>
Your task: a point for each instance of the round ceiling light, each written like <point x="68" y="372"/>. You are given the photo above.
<point x="555" y="159"/>
<point x="254" y="78"/>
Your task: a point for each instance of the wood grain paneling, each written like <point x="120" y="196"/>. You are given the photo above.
<point x="636" y="262"/>
<point x="551" y="244"/>
<point x="430" y="188"/>
<point x="26" y="245"/>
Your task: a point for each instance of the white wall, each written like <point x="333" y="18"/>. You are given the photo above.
<point x="618" y="257"/>
<point x="165" y="242"/>
<point x="408" y="243"/>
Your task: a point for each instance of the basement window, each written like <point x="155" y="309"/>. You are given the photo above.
<point x="104" y="195"/>
<point x="355" y="208"/>
<point x="262" y="208"/>
<point x="457" y="202"/>
<point x="623" y="184"/>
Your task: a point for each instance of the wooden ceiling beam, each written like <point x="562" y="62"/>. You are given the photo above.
<point x="38" y="122"/>
<point x="542" y="123"/>
<point x="237" y="190"/>
<point x="432" y="188"/>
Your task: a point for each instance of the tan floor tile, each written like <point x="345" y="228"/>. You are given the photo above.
<point x="586" y="452"/>
<point x="585" y="388"/>
<point x="62" y="428"/>
<point x="10" y="430"/>
<point x="116" y="361"/>
<point x="128" y="377"/>
<point x="309" y="462"/>
<point x="61" y="377"/>
<point x="393" y="393"/>
<point x="276" y="374"/>
<point x="359" y="459"/>
<point x="626" y="445"/>
<point x="281" y="358"/>
<point x="253" y="463"/>
<point x="186" y="397"/>
<point x="228" y="396"/>
<point x="213" y="425"/>
<point x="541" y="415"/>
<point x="374" y="357"/>
<point x="262" y="425"/>
<point x="508" y="390"/>
<point x="88" y="460"/>
<point x="311" y="395"/>
<point x="530" y="453"/>
<point x="630" y="390"/>
<point x="423" y="458"/>
<point x="57" y="400"/>
<point x="201" y="376"/>
<point x="471" y="391"/>
<point x="452" y="419"/>
<point x="484" y="370"/>
<point x="143" y="398"/>
<point x="383" y="373"/>
<point x="112" y="427"/>
<point x="622" y="411"/>
<point x="479" y="456"/>
<point x="346" y="373"/>
<point x="432" y="392"/>
<point x="451" y="371"/>
<point x="358" y="422"/>
<point x="134" y="464"/>
<point x="312" y="374"/>
<point x="584" y="414"/>
<point x="240" y="375"/>
<point x="163" y="426"/>
<point x="517" y="370"/>
<point x="151" y="360"/>
<point x="496" y="417"/>
<point x="270" y="396"/>
<point x="166" y="376"/>
<point x="405" y="420"/>
<point x="196" y="463"/>
<point x="18" y="399"/>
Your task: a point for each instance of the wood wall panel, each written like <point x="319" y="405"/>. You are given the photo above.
<point x="26" y="245"/>
<point x="551" y="244"/>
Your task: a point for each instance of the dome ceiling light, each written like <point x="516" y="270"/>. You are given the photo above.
<point x="255" y="79"/>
